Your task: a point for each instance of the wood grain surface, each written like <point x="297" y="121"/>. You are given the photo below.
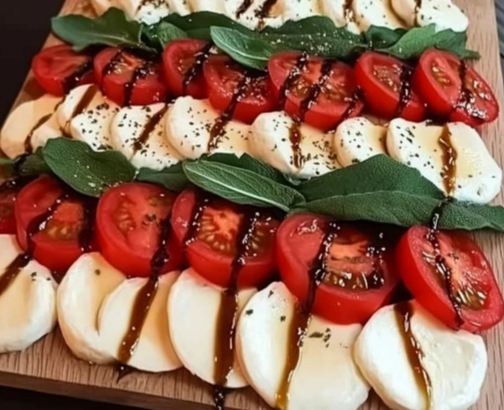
<point x="49" y="367"/>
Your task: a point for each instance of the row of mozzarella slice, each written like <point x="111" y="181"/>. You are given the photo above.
<point x="356" y="15"/>
<point x="337" y="366"/>
<point x="158" y="136"/>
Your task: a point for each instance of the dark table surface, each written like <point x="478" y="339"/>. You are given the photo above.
<point x="24" y="26"/>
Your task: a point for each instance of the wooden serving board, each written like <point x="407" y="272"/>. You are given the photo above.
<point x="49" y="367"/>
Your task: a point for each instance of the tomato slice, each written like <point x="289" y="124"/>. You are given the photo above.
<point x="64" y="224"/>
<point x="129" y="223"/>
<point x="228" y="82"/>
<point x="360" y="274"/>
<point x="320" y="92"/>
<point x="8" y="194"/>
<point x="58" y="69"/>
<point x="183" y="67"/>
<point x="388" y="88"/>
<point x="453" y="89"/>
<point x="128" y="79"/>
<point x="213" y="229"/>
<point x="468" y="296"/>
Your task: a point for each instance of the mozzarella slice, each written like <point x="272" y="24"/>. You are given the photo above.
<point x="443" y="13"/>
<point x="101" y="6"/>
<point x="86" y="115"/>
<point x="148" y="12"/>
<point x="188" y="129"/>
<point x="326" y="377"/>
<point x="337" y="11"/>
<point x="216" y="6"/>
<point x="358" y="139"/>
<point x="251" y="16"/>
<point x="179" y="7"/>
<point x="191" y="323"/>
<point x="28" y="305"/>
<point x="455" y="362"/>
<point x="375" y="13"/>
<point x="300" y="9"/>
<point x="154" y="351"/>
<point x="138" y="132"/>
<point x="271" y="143"/>
<point x="48" y="130"/>
<point x="478" y="178"/>
<point x="80" y="296"/>
<point x="23" y="121"/>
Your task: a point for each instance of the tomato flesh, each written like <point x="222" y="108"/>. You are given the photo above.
<point x="212" y="248"/>
<point x="128" y="79"/>
<point x="56" y="241"/>
<point x="58" y="69"/>
<point x="183" y="60"/>
<point x="388" y="88"/>
<point x="467" y="296"/>
<point x="322" y="93"/>
<point x="228" y="82"/>
<point x="129" y="222"/>
<point x="357" y="281"/>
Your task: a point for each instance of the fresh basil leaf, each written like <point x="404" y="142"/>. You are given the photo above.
<point x="455" y="42"/>
<point x="382" y="37"/>
<point x="241" y="185"/>
<point x="172" y="178"/>
<point x="85" y="170"/>
<point x="34" y="164"/>
<point x="111" y="29"/>
<point x="159" y="35"/>
<point x="6" y="162"/>
<point x="309" y="25"/>
<point x="378" y="173"/>
<point x="472" y="217"/>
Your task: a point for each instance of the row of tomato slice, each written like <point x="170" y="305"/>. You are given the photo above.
<point x="364" y="263"/>
<point x="440" y="87"/>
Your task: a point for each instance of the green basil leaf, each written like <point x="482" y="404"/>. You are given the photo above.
<point x="309" y="25"/>
<point x="159" y="35"/>
<point x="241" y="185"/>
<point x="472" y="217"/>
<point x="85" y="170"/>
<point x="6" y="162"/>
<point x="111" y="29"/>
<point x="172" y="178"/>
<point x="34" y="164"/>
<point x="382" y="37"/>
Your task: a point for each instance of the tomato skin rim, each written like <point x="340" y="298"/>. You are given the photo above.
<point x="434" y="299"/>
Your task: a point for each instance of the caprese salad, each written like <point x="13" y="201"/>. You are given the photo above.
<point x="310" y="311"/>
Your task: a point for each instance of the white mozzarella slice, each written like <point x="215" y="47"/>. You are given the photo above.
<point x="443" y="13"/>
<point x="251" y="16"/>
<point x="191" y="323"/>
<point x="326" y="376"/>
<point x="188" y="129"/>
<point x="28" y="304"/>
<point x="48" y="130"/>
<point x="455" y="362"/>
<point x="149" y="12"/>
<point x="358" y="139"/>
<point x="80" y="295"/>
<point x="215" y="6"/>
<point x="337" y="11"/>
<point x="375" y="13"/>
<point x="101" y="6"/>
<point x="86" y="115"/>
<point x="23" y="121"/>
<point x="478" y="178"/>
<point x="138" y="132"/>
<point x="179" y="6"/>
<point x="271" y="143"/>
<point x="154" y="351"/>
<point x="300" y="9"/>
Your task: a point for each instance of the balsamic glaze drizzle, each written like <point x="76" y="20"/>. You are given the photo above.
<point x="353" y="101"/>
<point x="138" y="74"/>
<point x="291" y="79"/>
<point x="27" y="142"/>
<point x="264" y="12"/>
<point x="418" y="6"/>
<point x="449" y="155"/>
<point x="295" y="138"/>
<point x="348" y="11"/>
<point x="405" y="92"/>
<point x="316" y="89"/>
<point x="70" y="82"/>
<point x="84" y="102"/>
<point x="142" y="139"/>
<point x="243" y="7"/>
<point x="467" y="98"/>
<point x="197" y="67"/>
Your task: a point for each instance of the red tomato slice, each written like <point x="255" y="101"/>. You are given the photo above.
<point x="129" y="222"/>
<point x="8" y="193"/>
<point x="183" y="67"/>
<point x="212" y="247"/>
<point x="58" y="69"/>
<point x="474" y="292"/>
<point x="357" y="281"/>
<point x="59" y="243"/>
<point x="128" y="79"/>
<point x="453" y="89"/>
<point x="223" y="78"/>
<point x="388" y="88"/>
<point x="322" y="94"/>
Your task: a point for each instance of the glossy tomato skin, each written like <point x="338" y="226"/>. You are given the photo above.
<point x="148" y="88"/>
<point x="299" y="240"/>
<point x="7" y="218"/>
<point x="179" y="58"/>
<point x="129" y="221"/>
<point x="420" y="279"/>
<point x="217" y="266"/>
<point x="438" y="78"/>
<point x="55" y="251"/>
<point x="333" y="103"/>
<point x="223" y="77"/>
<point x="379" y="78"/>
<point x="58" y="67"/>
